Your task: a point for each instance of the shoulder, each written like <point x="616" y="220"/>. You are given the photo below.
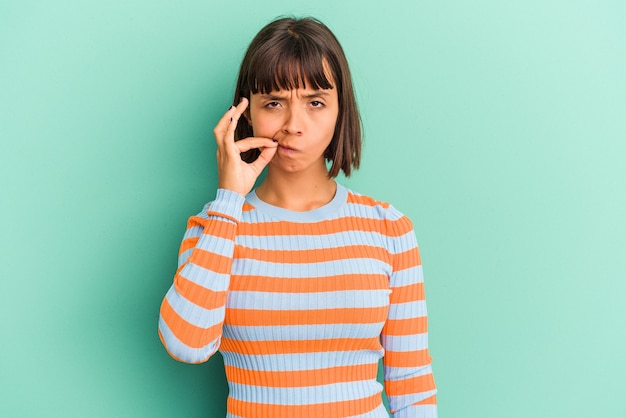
<point x="395" y="221"/>
<point x="356" y="198"/>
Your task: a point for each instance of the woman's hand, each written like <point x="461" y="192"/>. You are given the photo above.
<point x="234" y="173"/>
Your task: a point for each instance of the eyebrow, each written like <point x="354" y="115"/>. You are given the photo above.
<point x="316" y="93"/>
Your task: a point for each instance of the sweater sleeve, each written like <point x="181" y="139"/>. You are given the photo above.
<point x="192" y="312"/>
<point x="409" y="381"/>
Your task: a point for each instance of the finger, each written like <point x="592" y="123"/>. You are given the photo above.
<point x="226" y="136"/>
<point x="243" y="104"/>
<point x="264" y="158"/>
<point x="221" y="128"/>
<point x="234" y="117"/>
<point x="255" y="142"/>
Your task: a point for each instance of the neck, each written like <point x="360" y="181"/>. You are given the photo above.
<point x="299" y="192"/>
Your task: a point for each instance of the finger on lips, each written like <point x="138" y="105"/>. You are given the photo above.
<point x="255" y="142"/>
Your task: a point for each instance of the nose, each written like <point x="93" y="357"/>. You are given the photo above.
<point x="294" y="122"/>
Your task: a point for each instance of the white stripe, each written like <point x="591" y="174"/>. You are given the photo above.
<point x="417" y="411"/>
<point x="192" y="313"/>
<point x="405" y="343"/>
<point x="184" y="256"/>
<point x="306" y="301"/>
<point x="407" y="310"/>
<point x="395" y="402"/>
<point x="393" y="214"/>
<point x="193" y="232"/>
<point x="403" y="243"/>
<point x="220" y="247"/>
<point x="306" y="395"/>
<point x="216" y="245"/>
<point x="407" y="277"/>
<point x="357" y="210"/>
<point x="312" y="242"/>
<point x="309" y="270"/>
<point x="302" y="332"/>
<point x="301" y="361"/>
<point x="182" y="351"/>
<point x="206" y="278"/>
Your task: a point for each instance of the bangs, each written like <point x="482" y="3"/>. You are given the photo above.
<point x="288" y="65"/>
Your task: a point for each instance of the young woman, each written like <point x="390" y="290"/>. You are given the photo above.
<point x="301" y="284"/>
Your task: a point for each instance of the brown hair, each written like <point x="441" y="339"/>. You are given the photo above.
<point x="290" y="53"/>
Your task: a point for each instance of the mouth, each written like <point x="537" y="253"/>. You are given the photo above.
<point x="286" y="151"/>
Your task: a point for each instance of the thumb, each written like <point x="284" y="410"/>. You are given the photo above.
<point x="264" y="158"/>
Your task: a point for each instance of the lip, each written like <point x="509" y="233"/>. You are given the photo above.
<point x="286" y="148"/>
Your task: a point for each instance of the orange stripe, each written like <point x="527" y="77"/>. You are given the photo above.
<point x="317" y="255"/>
<point x="309" y="285"/>
<point x="407" y="259"/>
<point x="409" y="326"/>
<point x="410" y="293"/>
<point x="198" y="295"/>
<point x="366" y="201"/>
<point x="417" y="358"/>
<point x="218" y="227"/>
<point x="414" y="384"/>
<point x="298" y="346"/>
<point x="215" y="262"/>
<point x="189" y="334"/>
<point x="188" y="244"/>
<point x="401" y="226"/>
<point x="196" y="221"/>
<point x="330" y="409"/>
<point x="319" y="228"/>
<point x="302" y="378"/>
<point x="257" y="317"/>
<point x="247" y="207"/>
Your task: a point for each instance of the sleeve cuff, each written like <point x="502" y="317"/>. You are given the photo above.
<point x="227" y="204"/>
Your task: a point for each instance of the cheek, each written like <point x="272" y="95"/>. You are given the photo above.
<point x="330" y="125"/>
<point x="265" y="126"/>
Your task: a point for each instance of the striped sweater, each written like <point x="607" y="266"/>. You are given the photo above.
<point x="302" y="306"/>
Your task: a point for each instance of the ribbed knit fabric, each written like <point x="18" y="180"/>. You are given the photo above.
<point x="302" y="305"/>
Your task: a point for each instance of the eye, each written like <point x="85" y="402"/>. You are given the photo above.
<point x="272" y="105"/>
<point x="317" y="103"/>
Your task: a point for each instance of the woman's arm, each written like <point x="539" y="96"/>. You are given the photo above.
<point x="409" y="381"/>
<point x="192" y="312"/>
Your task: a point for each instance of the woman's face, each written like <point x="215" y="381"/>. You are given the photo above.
<point x="301" y="120"/>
